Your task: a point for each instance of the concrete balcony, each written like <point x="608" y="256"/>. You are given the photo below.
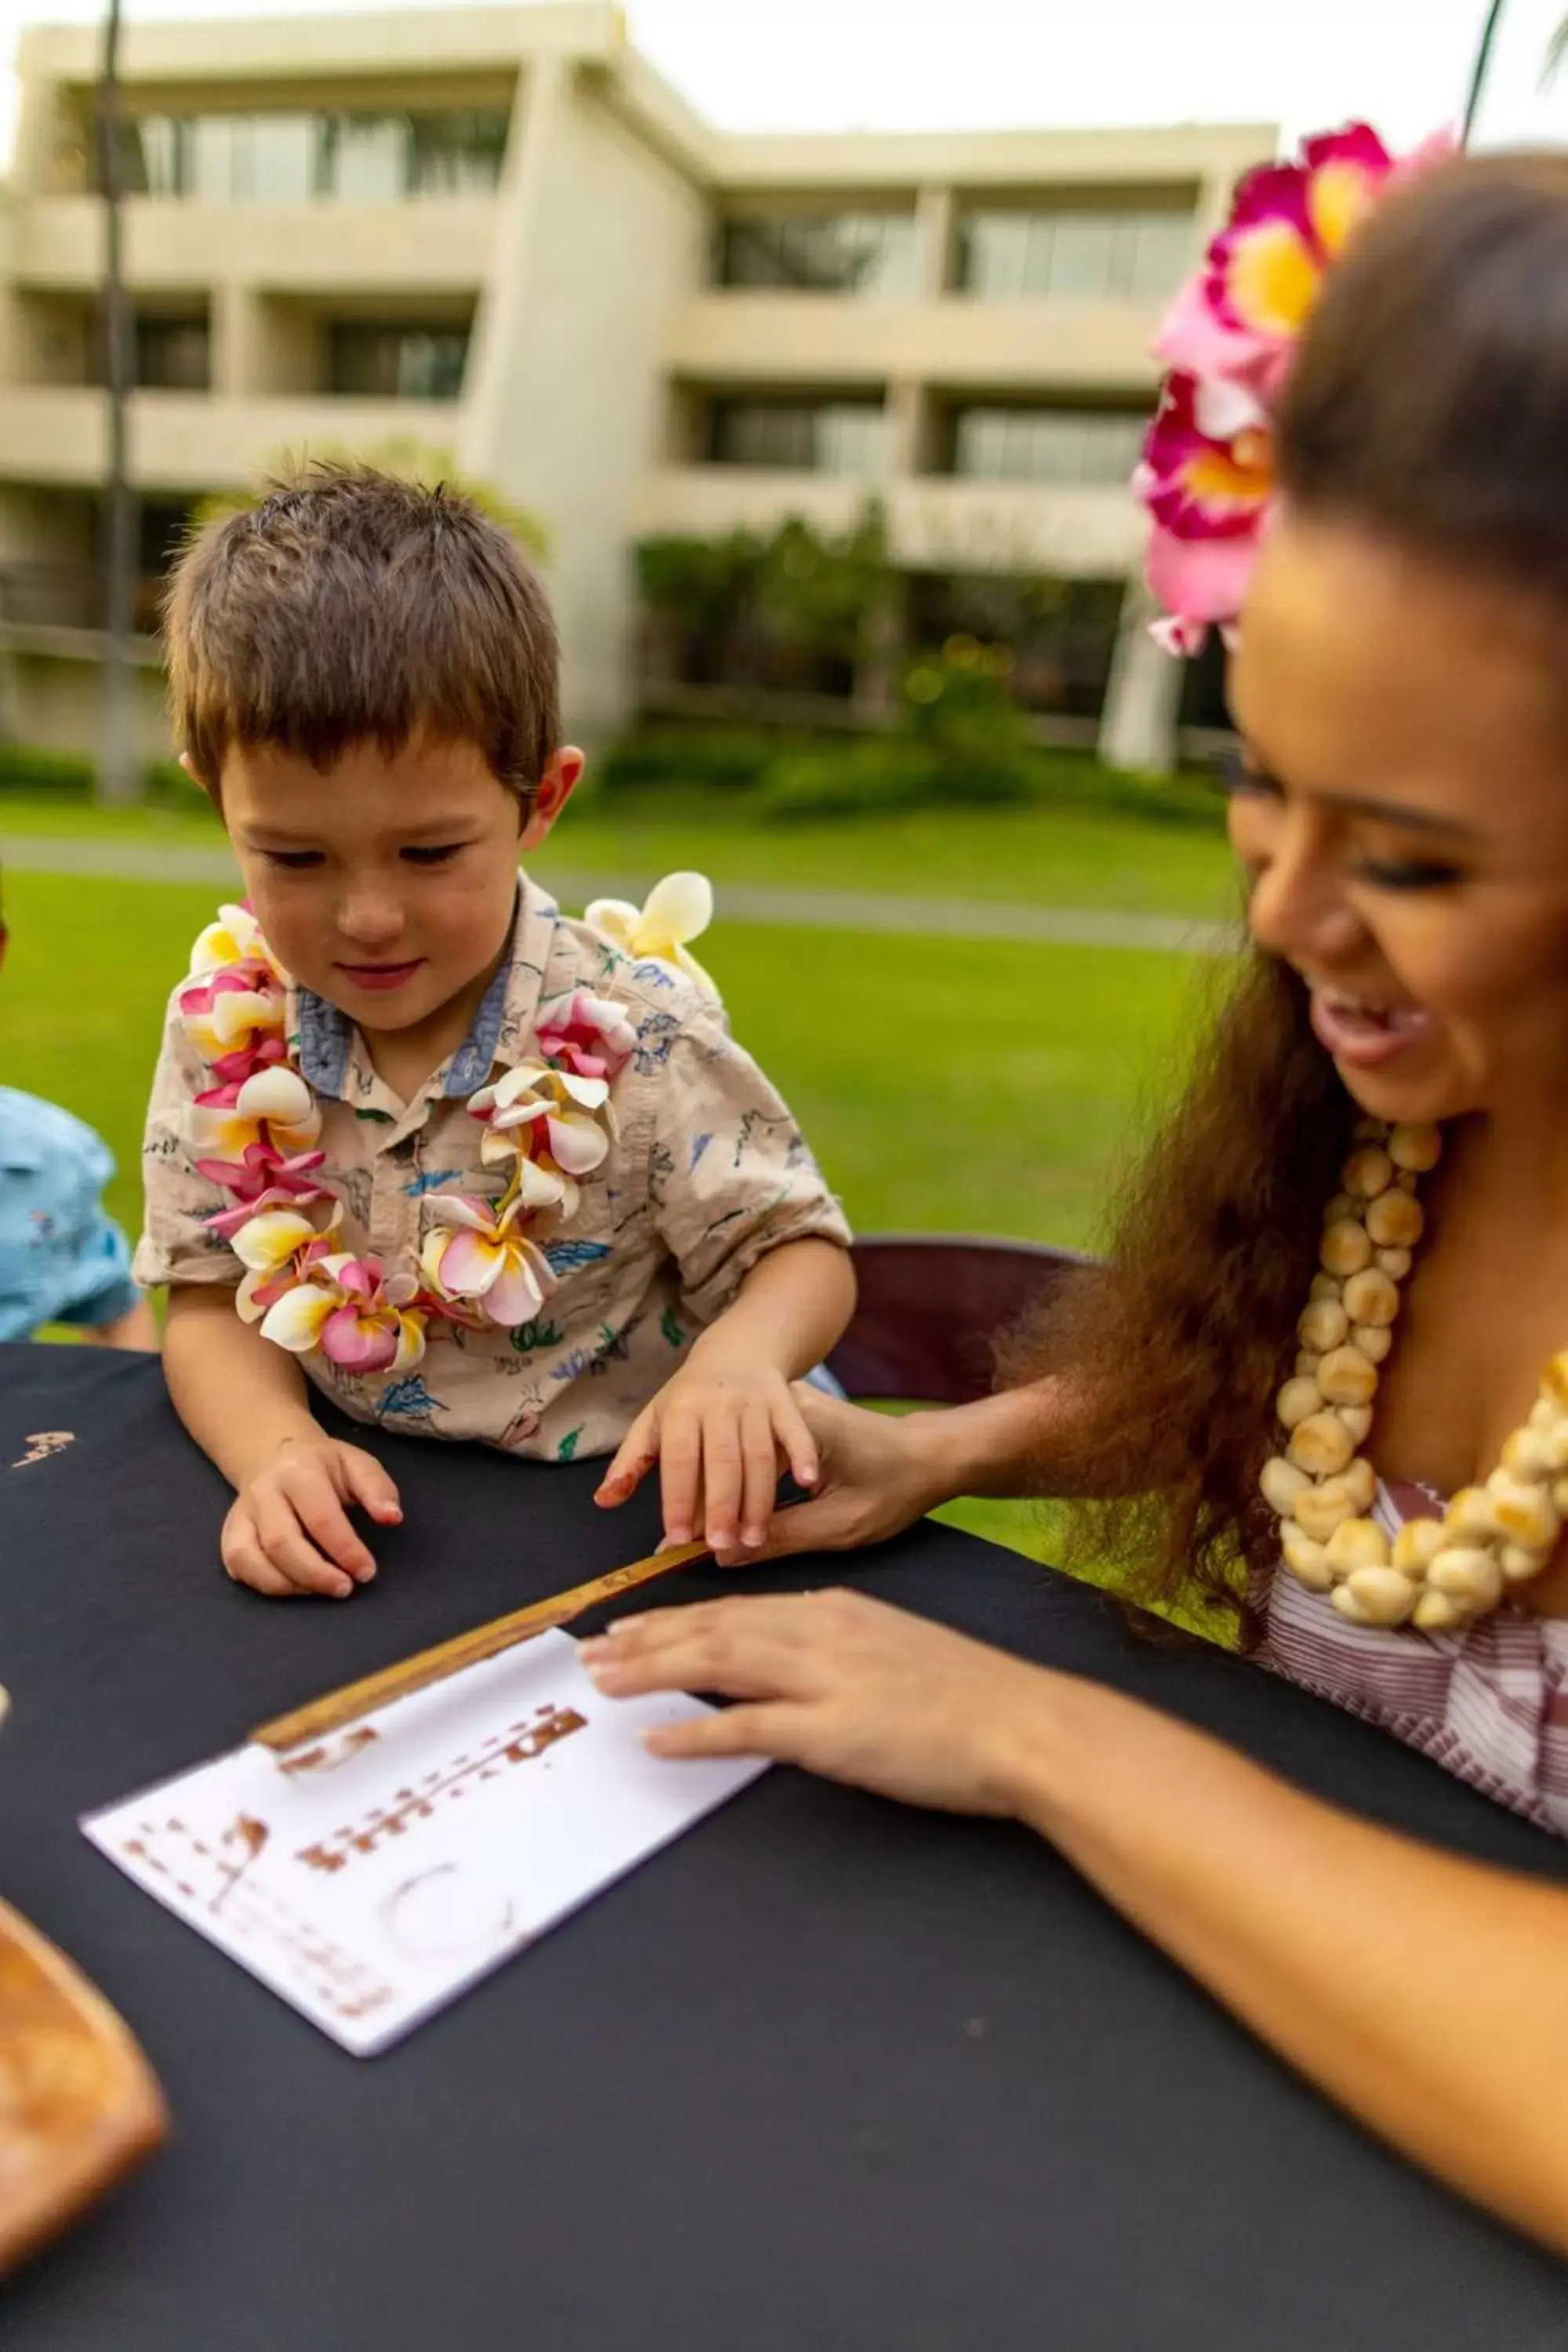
<point x="192" y="443"/>
<point x="813" y="338"/>
<point x="935" y="523"/>
<point x="429" y="245"/>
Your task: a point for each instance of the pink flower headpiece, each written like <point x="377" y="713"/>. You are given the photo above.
<point x="1230" y="339"/>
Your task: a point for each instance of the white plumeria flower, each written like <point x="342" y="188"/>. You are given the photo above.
<point x="277" y="1099"/>
<point x="235" y="937"/>
<point x="576" y="1138"/>
<point x="678" y="908"/>
<point x="265" y="1246"/>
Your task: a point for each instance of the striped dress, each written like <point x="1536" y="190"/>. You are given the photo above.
<point x="1489" y="1702"/>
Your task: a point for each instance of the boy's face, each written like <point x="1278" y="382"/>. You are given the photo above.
<point x="385" y="886"/>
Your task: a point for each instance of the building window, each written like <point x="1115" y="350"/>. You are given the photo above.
<point x="283" y="159"/>
<point x="1015" y="256"/>
<point x="871" y="254"/>
<point x="172" y="355"/>
<point x="394" y="363"/>
<point x="1074" y="447"/>
<point x="844" y="438"/>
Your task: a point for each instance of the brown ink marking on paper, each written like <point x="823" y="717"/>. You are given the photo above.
<point x="331" y="1755"/>
<point x="520" y="1743"/>
<point x="252" y="1835"/>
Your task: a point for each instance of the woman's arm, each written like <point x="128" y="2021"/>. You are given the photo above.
<point x="1426" y="1995"/>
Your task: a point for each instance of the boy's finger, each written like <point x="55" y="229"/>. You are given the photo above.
<point x="722" y="1475"/>
<point x="796" y="1440"/>
<point x="681" y="1468"/>
<point x="636" y="1454"/>
<point x="246" y="1563"/>
<point x="326" y="1521"/>
<point x="283" y="1541"/>
<point x="373" y="1487"/>
<point x="759" y="1474"/>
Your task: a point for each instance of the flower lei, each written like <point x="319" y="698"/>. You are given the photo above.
<point x="1230" y="340"/>
<point x="255" y="1132"/>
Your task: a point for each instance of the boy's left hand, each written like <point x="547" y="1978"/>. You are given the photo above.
<point x="721" y="1431"/>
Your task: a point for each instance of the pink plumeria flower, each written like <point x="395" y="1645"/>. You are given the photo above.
<point x="262" y="1180"/>
<point x="590" y="1036"/>
<point x="353" y="1311"/>
<point x="477" y="1252"/>
<point x="275" y="1109"/>
<point x="233" y="1016"/>
<point x="266" y="1245"/>
<point x="678" y="909"/>
<point x="534" y="1111"/>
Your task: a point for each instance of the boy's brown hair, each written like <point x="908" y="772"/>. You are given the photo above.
<point x="351" y="606"/>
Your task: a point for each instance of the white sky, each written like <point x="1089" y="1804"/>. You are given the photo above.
<point x="918" y="64"/>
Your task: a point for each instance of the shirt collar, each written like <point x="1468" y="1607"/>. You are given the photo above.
<point x="501" y="1029"/>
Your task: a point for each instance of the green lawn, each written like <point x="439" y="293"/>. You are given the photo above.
<point x="1041" y="858"/>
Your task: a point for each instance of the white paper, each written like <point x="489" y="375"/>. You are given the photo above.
<point x="372" y="1878"/>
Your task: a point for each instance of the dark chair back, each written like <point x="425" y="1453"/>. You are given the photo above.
<point x="932" y="1308"/>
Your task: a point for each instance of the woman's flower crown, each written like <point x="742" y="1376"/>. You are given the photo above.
<point x="1230" y="340"/>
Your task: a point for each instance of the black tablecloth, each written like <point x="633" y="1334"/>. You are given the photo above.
<point x="825" y="2074"/>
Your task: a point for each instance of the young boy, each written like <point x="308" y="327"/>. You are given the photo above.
<point x="63" y="1259"/>
<point x="413" y="1140"/>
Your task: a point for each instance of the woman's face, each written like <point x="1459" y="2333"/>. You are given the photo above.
<point x="1404" y="818"/>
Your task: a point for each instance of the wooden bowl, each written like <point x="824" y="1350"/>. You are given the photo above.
<point x="79" y="2106"/>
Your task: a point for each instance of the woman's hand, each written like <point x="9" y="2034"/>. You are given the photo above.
<point x="843" y="1686"/>
<point x="876" y="1474"/>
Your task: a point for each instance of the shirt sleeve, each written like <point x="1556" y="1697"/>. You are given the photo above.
<point x="176" y="1247"/>
<point x="731" y="1175"/>
<point x="76" y="1266"/>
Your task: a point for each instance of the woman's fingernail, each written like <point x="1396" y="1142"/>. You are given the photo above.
<point x="752" y="1539"/>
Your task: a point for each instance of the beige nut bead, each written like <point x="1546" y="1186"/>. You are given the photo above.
<point x="1560" y="1496"/>
<point x="1382" y="1596"/>
<point x="1555" y="1445"/>
<point x="1394" y="1263"/>
<point x="1307" y="1363"/>
<point x="1325" y="1285"/>
<point x="1320" y="1445"/>
<point x="1473" y="1578"/>
<point x="1306" y="1560"/>
<point x="1371" y="1298"/>
<point x="1297" y="1401"/>
<point x="1418" y="1545"/>
<point x="1518" y="1565"/>
<point x="1525" y="1457"/>
<point x="1415" y="1148"/>
<point x="1360" y="1482"/>
<point x="1345" y="1377"/>
<point x="1322" y="1508"/>
<point x="1395" y="1221"/>
<point x="1526" y="1515"/>
<point x="1346" y="1248"/>
<point x="1375" y="1340"/>
<point x="1470" y="1514"/>
<point x="1343" y="1204"/>
<point x="1356" y="1543"/>
<point x="1555" y="1378"/>
<point x="1435" y="1612"/>
<point x="1324" y="1324"/>
<point x="1544" y="1415"/>
<point x="1367" y="1172"/>
<point x="1357" y="1419"/>
<point x="1283" y="1486"/>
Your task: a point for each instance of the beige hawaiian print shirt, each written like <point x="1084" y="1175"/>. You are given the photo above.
<point x="708" y="1173"/>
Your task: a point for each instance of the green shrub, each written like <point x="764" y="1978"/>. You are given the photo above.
<point x="30" y="768"/>
<point x="858" y="778"/>
<point x="676" y="759"/>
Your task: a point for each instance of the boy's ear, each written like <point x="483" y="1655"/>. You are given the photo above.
<point x="556" y="786"/>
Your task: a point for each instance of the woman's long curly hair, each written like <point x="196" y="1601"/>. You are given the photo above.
<point x="1428" y="405"/>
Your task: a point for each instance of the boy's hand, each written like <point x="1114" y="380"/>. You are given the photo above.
<point x="721" y="1432"/>
<point x="288" y="1531"/>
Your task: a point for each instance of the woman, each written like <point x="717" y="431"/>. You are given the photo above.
<point x="1400" y="688"/>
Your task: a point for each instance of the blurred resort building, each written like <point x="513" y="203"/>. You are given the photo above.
<point x="497" y="234"/>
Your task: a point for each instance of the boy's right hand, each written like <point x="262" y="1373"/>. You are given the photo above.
<point x="289" y="1532"/>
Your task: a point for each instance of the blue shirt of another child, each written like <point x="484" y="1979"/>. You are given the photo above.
<point x="62" y="1259"/>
